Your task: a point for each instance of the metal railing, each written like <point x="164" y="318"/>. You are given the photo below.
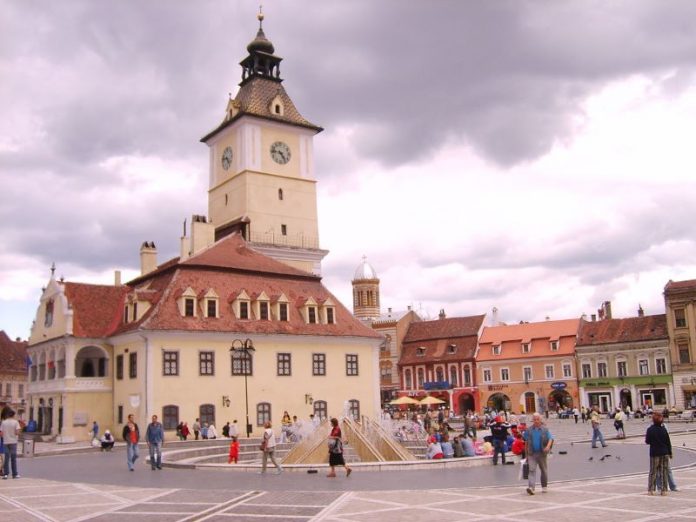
<point x="275" y="239"/>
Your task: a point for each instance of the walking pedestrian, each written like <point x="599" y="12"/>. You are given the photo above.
<point x="539" y="442"/>
<point x="660" y="453"/>
<point x="234" y="451"/>
<point x="131" y="434"/>
<point x="619" y="424"/>
<point x="576" y="414"/>
<point x="596" y="428"/>
<point x="336" y="450"/>
<point x="196" y="428"/>
<point x="155" y="439"/>
<point x="499" y="432"/>
<point x="267" y="448"/>
<point x="9" y="431"/>
<point x="95" y="430"/>
<point x="583" y="414"/>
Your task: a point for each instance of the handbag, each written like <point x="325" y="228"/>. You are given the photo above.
<point x="336" y="446"/>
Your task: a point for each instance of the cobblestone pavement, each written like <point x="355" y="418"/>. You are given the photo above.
<point x="74" y="498"/>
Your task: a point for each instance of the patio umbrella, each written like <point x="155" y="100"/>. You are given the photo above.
<point x="431" y="400"/>
<point x="404" y="400"/>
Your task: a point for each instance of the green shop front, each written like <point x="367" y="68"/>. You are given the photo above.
<point x="653" y="391"/>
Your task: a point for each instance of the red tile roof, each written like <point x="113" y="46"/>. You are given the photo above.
<point x="680" y="285"/>
<point x="13" y="355"/>
<point x="539" y="335"/>
<point x="632" y="329"/>
<point x="97" y="309"/>
<point x="444" y="328"/>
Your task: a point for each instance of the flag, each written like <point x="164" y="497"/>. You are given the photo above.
<point x="29" y="361"/>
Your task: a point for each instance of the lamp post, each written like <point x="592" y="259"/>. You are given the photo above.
<point x="241" y="352"/>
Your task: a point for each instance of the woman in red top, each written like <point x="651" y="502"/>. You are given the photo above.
<point x="336" y="450"/>
<point x="234" y="451"/>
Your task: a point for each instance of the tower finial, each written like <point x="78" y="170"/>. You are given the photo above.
<point x="53" y="269"/>
<point x="260" y="16"/>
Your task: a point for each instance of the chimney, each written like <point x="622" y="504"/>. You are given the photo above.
<point x="607" y="309"/>
<point x="442" y="315"/>
<point x="117" y="278"/>
<point x="202" y="234"/>
<point x="408" y="308"/>
<point x="641" y="312"/>
<point x="148" y="257"/>
<point x="389" y="310"/>
<point x="594" y="317"/>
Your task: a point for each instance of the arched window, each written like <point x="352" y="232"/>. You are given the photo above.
<point x="206" y="412"/>
<point x="408" y="382"/>
<point x="421" y="377"/>
<point x="320" y="409"/>
<point x="263" y="413"/>
<point x="354" y="409"/>
<point x="453" y="376"/>
<point x="439" y="374"/>
<point x="170" y="417"/>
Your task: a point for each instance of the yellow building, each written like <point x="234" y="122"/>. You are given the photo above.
<point x="177" y="340"/>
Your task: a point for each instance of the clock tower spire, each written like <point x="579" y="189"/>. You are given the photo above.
<point x="262" y="181"/>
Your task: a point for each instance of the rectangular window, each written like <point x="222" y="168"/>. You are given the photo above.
<point x="263" y="310"/>
<point x="283" y="311"/>
<point x="119" y="367"/>
<point x="212" y="308"/>
<point x="206" y="363"/>
<point x="504" y="374"/>
<point x="311" y="314"/>
<point x="487" y="375"/>
<point x="526" y="347"/>
<point x="679" y="318"/>
<point x="283" y="364"/>
<point x="284" y="230"/>
<point x="621" y="369"/>
<point x="661" y="366"/>
<point x="467" y="376"/>
<point x="567" y="370"/>
<point x="683" y="349"/>
<point x="497" y="350"/>
<point x="586" y="371"/>
<point x="8" y="389"/>
<point x="351" y="364"/>
<point x="119" y="415"/>
<point x="170" y="363"/>
<point x="243" y="310"/>
<point x="643" y="368"/>
<point x="549" y="371"/>
<point x="527" y="373"/>
<point x="20" y="391"/>
<point x="125" y="314"/>
<point x="330" y="316"/>
<point x="242" y="363"/>
<point x="601" y="369"/>
<point x="189" y="307"/>
<point x="135" y="311"/>
<point x="133" y="365"/>
<point x="554" y="346"/>
<point x="318" y="364"/>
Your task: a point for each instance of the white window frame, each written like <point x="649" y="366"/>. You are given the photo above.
<point x="588" y="366"/>
<point x="605" y="365"/>
<point x="644" y="362"/>
<point x="487" y="374"/>
<point x="505" y="374"/>
<point x="554" y="345"/>
<point x="526" y="347"/>
<point x="548" y="367"/>
<point x="569" y="367"/>
<point x="497" y="349"/>
<point x="618" y="366"/>
<point x="657" y="365"/>
<point x="527" y="373"/>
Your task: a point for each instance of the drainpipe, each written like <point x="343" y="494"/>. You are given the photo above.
<point x="148" y="382"/>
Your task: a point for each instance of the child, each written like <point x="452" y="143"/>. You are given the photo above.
<point x="234" y="451"/>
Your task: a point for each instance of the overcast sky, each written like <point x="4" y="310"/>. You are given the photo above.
<point x="533" y="156"/>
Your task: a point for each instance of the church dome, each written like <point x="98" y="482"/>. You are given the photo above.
<point x="364" y="271"/>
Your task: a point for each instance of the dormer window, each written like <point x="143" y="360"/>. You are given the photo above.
<point x="211" y="307"/>
<point x="135" y="311"/>
<point x="554" y="346"/>
<point x="263" y="310"/>
<point x="452" y="349"/>
<point x="125" y="314"/>
<point x="189" y="307"/>
<point x="244" y="309"/>
<point x="312" y="314"/>
<point x="497" y="349"/>
<point x="420" y="351"/>
<point x="277" y="107"/>
<point x="526" y="347"/>
<point x="283" y="311"/>
<point x="330" y="316"/>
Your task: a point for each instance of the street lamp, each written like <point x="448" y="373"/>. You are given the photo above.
<point x="241" y="362"/>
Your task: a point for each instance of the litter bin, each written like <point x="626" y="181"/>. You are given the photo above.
<point x="28" y="448"/>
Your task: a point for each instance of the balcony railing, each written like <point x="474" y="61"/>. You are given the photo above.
<point x="71" y="384"/>
<point x="275" y="239"/>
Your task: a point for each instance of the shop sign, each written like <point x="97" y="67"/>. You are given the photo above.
<point x="558" y="385"/>
<point x="496" y="387"/>
<point x="597" y="384"/>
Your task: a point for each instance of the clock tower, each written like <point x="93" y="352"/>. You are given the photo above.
<point x="262" y="166"/>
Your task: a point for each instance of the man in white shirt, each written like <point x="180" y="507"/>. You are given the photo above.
<point x="9" y="429"/>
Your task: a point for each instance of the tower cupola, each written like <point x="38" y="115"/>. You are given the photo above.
<point x="365" y="291"/>
<point x="261" y="61"/>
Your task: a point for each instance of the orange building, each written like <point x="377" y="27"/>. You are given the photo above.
<point x="528" y="367"/>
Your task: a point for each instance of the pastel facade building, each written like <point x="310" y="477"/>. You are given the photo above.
<point x="680" y="307"/>
<point x="528" y="367"/>
<point x="438" y="359"/>
<point x="624" y="363"/>
<point x="13" y="374"/>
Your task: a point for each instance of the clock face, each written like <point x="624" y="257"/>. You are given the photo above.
<point x="280" y="152"/>
<point x="227" y="158"/>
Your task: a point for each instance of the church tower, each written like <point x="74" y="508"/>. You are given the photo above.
<point x="261" y="179"/>
<point x="365" y="291"/>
